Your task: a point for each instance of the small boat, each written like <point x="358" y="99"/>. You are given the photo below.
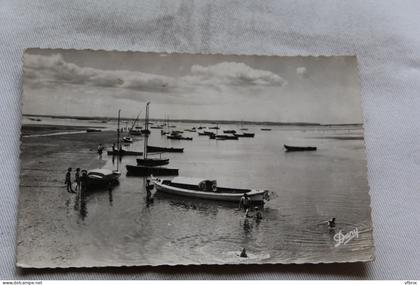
<point x="138" y="170"/>
<point x="145" y="132"/>
<point x="202" y="134"/>
<point x="100" y="177"/>
<point x="93" y="130"/>
<point x="265" y="129"/>
<point x="214" y="128"/>
<point x="123" y="152"/>
<point x="245" y="135"/>
<point x="135" y="132"/>
<point x="35" y="119"/>
<point x="163" y="133"/>
<point x="207" y="189"/>
<point x="151" y="148"/>
<point x="229" y="131"/>
<point x="299" y="148"/>
<point x="156" y="127"/>
<point x="243" y="129"/>
<point x="190" y="130"/>
<point x="127" y="140"/>
<point x="200" y="128"/>
<point x="152" y="161"/>
<point x="226" y="137"/>
<point x="179" y="137"/>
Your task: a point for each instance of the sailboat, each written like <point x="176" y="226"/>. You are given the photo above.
<point x="119" y="150"/>
<point x="135" y="131"/>
<point x="145" y="165"/>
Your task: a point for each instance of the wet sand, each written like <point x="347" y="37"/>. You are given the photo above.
<point x="44" y="161"/>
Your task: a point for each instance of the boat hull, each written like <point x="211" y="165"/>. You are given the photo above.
<point x="152" y="161"/>
<point x="124" y="152"/>
<point x="299" y="148"/>
<point x="256" y="197"/>
<point x="163" y="149"/>
<point x="137" y="170"/>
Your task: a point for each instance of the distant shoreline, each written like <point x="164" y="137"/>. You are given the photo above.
<point x="267" y="123"/>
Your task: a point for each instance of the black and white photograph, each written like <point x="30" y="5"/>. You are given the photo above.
<point x="135" y="159"/>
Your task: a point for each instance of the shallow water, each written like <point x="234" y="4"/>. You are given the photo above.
<point x="120" y="227"/>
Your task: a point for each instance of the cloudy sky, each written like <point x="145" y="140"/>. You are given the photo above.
<point x="254" y="88"/>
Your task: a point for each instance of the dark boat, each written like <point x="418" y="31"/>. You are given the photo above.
<point x="156" y="127"/>
<point x="245" y="135"/>
<point x="214" y="128"/>
<point x="151" y="148"/>
<point x="152" y="161"/>
<point x="146" y="166"/>
<point x="127" y="140"/>
<point x="229" y="132"/>
<point x="202" y="134"/>
<point x="135" y="132"/>
<point x="123" y="152"/>
<point x="162" y="133"/>
<point x="178" y="137"/>
<point x="145" y="132"/>
<point x="93" y="130"/>
<point x="265" y="129"/>
<point x="226" y="137"/>
<point x="299" y="148"/>
<point x="137" y="170"/>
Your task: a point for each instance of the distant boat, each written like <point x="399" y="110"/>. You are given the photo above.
<point x="162" y="133"/>
<point x="207" y="189"/>
<point x="229" y="132"/>
<point x="214" y="128"/>
<point x="119" y="151"/>
<point x="226" y="137"/>
<point x="156" y="127"/>
<point x="135" y="132"/>
<point x="151" y="148"/>
<point x="245" y="135"/>
<point x="93" y="130"/>
<point x="193" y="130"/>
<point x="102" y="177"/>
<point x="146" y="166"/>
<point x="243" y="129"/>
<point x="299" y="148"/>
<point x="35" y="119"/>
<point x="266" y="129"/>
<point x="127" y="139"/>
<point x="176" y="135"/>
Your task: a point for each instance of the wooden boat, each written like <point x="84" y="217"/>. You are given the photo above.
<point x="127" y="140"/>
<point x="207" y="189"/>
<point x="229" y="131"/>
<point x="299" y="148"/>
<point x="265" y="129"/>
<point x="124" y="152"/>
<point x="190" y="130"/>
<point x="152" y="161"/>
<point x="100" y="177"/>
<point x="245" y="135"/>
<point x="163" y="133"/>
<point x="138" y="170"/>
<point x="151" y="148"/>
<point x="156" y="127"/>
<point x="93" y="130"/>
<point x="214" y="128"/>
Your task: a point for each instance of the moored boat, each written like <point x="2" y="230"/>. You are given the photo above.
<point x="207" y="189"/>
<point x="245" y="135"/>
<point x="127" y="140"/>
<point x="138" y="170"/>
<point x="123" y="152"/>
<point x="299" y="148"/>
<point x="229" y="131"/>
<point x="226" y="137"/>
<point x="152" y="161"/>
<point x="93" y="130"/>
<point x="265" y="129"/>
<point x="151" y="148"/>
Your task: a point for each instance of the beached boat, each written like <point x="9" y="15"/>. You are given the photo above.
<point x="207" y="189"/>
<point x="299" y="148"/>
<point x="100" y="177"/>
<point x="151" y="148"/>
<point x="119" y="151"/>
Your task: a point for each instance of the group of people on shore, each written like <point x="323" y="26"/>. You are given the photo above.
<point x="80" y="178"/>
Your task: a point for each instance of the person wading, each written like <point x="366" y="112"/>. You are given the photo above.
<point x="77" y="178"/>
<point x="245" y="202"/>
<point x="68" y="181"/>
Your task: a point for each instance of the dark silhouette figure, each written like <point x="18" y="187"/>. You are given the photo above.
<point x="68" y="181"/>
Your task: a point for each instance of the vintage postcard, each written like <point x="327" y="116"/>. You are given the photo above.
<point x="131" y="159"/>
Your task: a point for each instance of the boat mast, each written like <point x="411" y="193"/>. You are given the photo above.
<point x="118" y="131"/>
<point x="146" y="133"/>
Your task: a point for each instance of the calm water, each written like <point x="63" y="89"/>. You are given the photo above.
<point x="119" y="227"/>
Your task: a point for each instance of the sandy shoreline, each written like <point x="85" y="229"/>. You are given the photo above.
<point x="44" y="161"/>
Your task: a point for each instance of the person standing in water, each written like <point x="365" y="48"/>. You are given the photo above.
<point x="77" y="179"/>
<point x="245" y="202"/>
<point x="100" y="149"/>
<point x="68" y="181"/>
